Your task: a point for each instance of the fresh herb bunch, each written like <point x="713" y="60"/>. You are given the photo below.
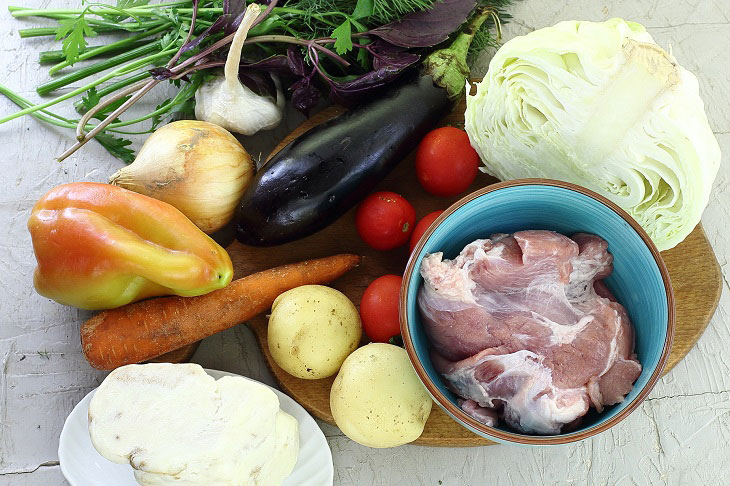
<point x="341" y="48"/>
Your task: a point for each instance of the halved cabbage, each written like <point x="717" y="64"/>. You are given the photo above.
<point x="602" y="106"/>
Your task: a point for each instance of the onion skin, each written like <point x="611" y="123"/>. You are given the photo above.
<point x="196" y="166"/>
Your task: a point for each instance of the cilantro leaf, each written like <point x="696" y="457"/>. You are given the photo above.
<point x="107" y="110"/>
<point x="118" y="147"/>
<point x="363" y="8"/>
<point x="168" y="39"/>
<point x="363" y="58"/>
<point x="160" y="117"/>
<point x="343" y="37"/>
<point x="74" y="33"/>
<point x="91" y="99"/>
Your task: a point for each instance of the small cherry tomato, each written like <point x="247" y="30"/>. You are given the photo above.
<point x="421" y="228"/>
<point x="379" y="308"/>
<point x="385" y="220"/>
<point x="446" y="163"/>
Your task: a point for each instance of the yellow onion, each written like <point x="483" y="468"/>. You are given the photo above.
<point x="196" y="166"/>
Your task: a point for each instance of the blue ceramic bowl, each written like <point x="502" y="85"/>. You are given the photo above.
<point x="640" y="282"/>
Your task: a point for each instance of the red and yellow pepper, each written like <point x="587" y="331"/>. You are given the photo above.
<point x="99" y="246"/>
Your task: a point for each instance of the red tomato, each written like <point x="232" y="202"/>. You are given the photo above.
<point x="446" y="163"/>
<point x="385" y="220"/>
<point x="379" y="308"/>
<point x="422" y="226"/>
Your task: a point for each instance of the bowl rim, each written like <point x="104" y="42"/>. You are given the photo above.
<point x="456" y="412"/>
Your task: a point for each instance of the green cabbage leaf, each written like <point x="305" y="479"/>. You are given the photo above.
<point x="603" y="106"/>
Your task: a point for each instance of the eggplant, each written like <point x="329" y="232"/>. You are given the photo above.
<point x="322" y="174"/>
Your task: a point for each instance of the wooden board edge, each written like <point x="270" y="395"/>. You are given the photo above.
<point x="681" y="349"/>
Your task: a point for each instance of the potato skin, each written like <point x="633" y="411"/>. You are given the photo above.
<point x="377" y="399"/>
<point x="312" y="329"/>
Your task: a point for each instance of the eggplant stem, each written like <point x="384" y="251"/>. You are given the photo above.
<point x="448" y="66"/>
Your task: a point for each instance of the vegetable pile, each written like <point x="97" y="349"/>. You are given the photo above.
<point x="341" y="49"/>
<point x="596" y="104"/>
<point x="602" y="106"/>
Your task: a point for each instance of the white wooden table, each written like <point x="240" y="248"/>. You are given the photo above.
<point x="679" y="436"/>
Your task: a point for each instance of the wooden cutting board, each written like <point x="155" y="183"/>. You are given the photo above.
<point x="692" y="266"/>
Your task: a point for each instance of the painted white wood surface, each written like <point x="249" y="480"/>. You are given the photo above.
<point x="680" y="436"/>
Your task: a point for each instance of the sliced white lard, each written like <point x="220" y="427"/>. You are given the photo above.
<point x="175" y="424"/>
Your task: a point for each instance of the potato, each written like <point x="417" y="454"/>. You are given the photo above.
<point x="312" y="329"/>
<point x="377" y="399"/>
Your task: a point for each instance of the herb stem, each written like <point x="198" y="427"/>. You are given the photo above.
<point x="300" y="42"/>
<point x="99" y="23"/>
<point x="58" y="56"/>
<point x="24" y="103"/>
<point x="53" y="85"/>
<point x="110" y="75"/>
<point x="113" y="116"/>
<point x="122" y="83"/>
<point x="124" y="43"/>
<point x="217" y="10"/>
<point x="143" y="90"/>
<point x="319" y="16"/>
<point x="187" y="38"/>
<point x="51" y="31"/>
<point x="100" y="106"/>
<point x="41" y="106"/>
<point x="60" y="121"/>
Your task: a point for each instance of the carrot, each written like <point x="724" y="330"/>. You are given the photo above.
<point x="143" y="330"/>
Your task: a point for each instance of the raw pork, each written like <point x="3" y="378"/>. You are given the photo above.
<point x="523" y="328"/>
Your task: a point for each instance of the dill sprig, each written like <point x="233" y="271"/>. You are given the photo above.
<point x="485" y="37"/>
<point x="383" y="11"/>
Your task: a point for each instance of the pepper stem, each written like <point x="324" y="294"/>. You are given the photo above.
<point x="448" y="66"/>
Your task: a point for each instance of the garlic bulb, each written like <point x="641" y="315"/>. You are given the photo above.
<point x="196" y="166"/>
<point x="226" y="102"/>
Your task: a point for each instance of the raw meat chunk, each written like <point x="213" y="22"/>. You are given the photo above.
<point x="523" y="328"/>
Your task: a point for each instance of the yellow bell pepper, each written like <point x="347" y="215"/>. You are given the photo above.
<point x="100" y="246"/>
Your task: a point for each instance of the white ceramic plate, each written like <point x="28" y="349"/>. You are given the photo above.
<point x="83" y="466"/>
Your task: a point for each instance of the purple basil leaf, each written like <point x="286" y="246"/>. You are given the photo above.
<point x="161" y="73"/>
<point x="386" y="54"/>
<point x="349" y="92"/>
<point x="217" y="26"/>
<point x="278" y="64"/>
<point x="427" y="27"/>
<point x="235" y="10"/>
<point x="305" y="95"/>
<point x="296" y="61"/>
<point x="257" y="81"/>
